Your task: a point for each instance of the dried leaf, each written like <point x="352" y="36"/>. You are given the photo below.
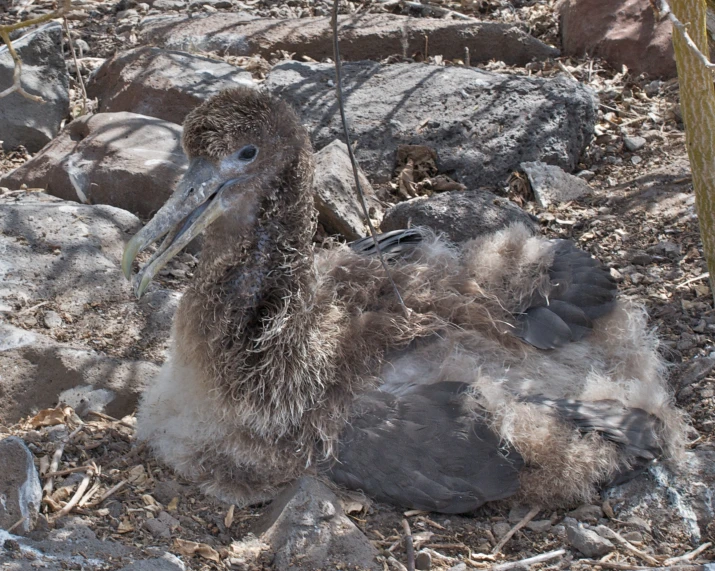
<point x="352" y="506"/>
<point x="137" y="475"/>
<point x="173" y="504"/>
<point x="190" y="548"/>
<point x="228" y="520"/>
<point x="52" y="416"/>
<point x="125" y="526"/>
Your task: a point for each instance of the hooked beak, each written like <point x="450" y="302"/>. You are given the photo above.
<point x="194" y="205"/>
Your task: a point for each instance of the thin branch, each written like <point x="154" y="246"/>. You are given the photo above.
<point x="353" y="161"/>
<point x="688" y="556"/>
<point x="663" y="11"/>
<point x="81" y="489"/>
<point x="529" y="560"/>
<point x="76" y="67"/>
<point x="409" y="545"/>
<point x="427" y="8"/>
<point x="527" y="518"/>
<point x="5" y="35"/>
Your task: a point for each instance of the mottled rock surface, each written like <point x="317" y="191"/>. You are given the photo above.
<point x="31" y="123"/>
<point x="122" y="159"/>
<point x="161" y="83"/>
<point x="367" y="36"/>
<point x="20" y="489"/>
<point x="484" y="124"/>
<point x="458" y="215"/>
<point x="624" y="32"/>
<point x="335" y="195"/>
<point x="307" y="529"/>
<point x="551" y="185"/>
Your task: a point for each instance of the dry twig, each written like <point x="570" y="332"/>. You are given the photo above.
<point x="529" y="560"/>
<point x="527" y="518"/>
<point x="17" y="72"/>
<point x="688" y="556"/>
<point x="409" y="546"/>
<point x="81" y="489"/>
<point x="664" y="11"/>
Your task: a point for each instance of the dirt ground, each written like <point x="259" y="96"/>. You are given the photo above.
<point x="640" y="221"/>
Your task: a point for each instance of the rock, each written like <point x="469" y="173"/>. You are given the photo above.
<point x="667" y="249"/>
<point x="641" y="259"/>
<point x="164" y="5"/>
<point x="41" y="373"/>
<point x="458" y="567"/>
<point x="681" y="499"/>
<point x="517" y="513"/>
<point x="162" y="525"/>
<point x="695" y="370"/>
<point x="166" y="562"/>
<point x="587" y="541"/>
<point x="484" y="124"/>
<point x="362" y="37"/>
<point x="539" y="525"/>
<point x="551" y="185"/>
<point x="634" y="143"/>
<point x="161" y="83"/>
<point x="624" y="33"/>
<point x="52" y="320"/>
<point x="307" y="530"/>
<point x="335" y="195"/>
<point x="122" y="159"/>
<point x="459" y="215"/>
<point x="66" y="255"/>
<point x="588" y="513"/>
<point x="167" y="490"/>
<point x="75" y="546"/>
<point x="31" y="123"/>
<point x="500" y="529"/>
<point x="423" y="560"/>
<point x="20" y="488"/>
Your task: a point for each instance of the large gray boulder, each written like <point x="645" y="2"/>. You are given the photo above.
<point x="60" y="274"/>
<point x="365" y="36"/>
<point x="484" y="124"/>
<point x="23" y="121"/>
<point x="122" y="159"/>
<point x="458" y="215"/>
<point x="161" y="83"/>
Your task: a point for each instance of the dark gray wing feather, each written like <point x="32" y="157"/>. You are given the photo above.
<point x="421" y="450"/>
<point x="633" y="429"/>
<point x="581" y="290"/>
<point x="392" y="244"/>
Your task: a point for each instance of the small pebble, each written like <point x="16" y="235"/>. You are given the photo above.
<point x="423" y="561"/>
<point x="635" y="159"/>
<point x="634" y="143"/>
<point x="52" y="320"/>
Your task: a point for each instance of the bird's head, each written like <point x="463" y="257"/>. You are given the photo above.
<point x="246" y="151"/>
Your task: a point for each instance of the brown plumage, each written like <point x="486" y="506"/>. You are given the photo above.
<point x="278" y="351"/>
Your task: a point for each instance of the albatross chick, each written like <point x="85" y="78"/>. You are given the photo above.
<point x="516" y="371"/>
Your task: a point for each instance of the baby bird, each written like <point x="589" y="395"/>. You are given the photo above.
<point x="515" y="370"/>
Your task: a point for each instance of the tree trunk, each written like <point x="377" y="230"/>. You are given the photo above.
<point x="697" y="103"/>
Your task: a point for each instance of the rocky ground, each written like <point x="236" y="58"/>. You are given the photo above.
<point x="69" y="323"/>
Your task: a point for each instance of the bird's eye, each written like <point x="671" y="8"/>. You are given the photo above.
<point x="247" y="153"/>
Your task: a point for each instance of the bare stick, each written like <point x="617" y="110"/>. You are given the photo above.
<point x="17" y="524"/>
<point x="436" y="10"/>
<point x="527" y="518"/>
<point x="81" y="489"/>
<point x="111" y="491"/>
<point x="530" y="560"/>
<point x="409" y="544"/>
<point x="664" y="11"/>
<point x="353" y="161"/>
<point x="56" y="458"/>
<point x="76" y="67"/>
<point x="688" y="556"/>
<point x="609" y="533"/>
